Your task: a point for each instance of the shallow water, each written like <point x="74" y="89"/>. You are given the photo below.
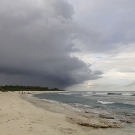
<point x="120" y="105"/>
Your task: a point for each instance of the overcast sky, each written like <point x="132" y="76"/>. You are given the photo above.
<point x="69" y="44"/>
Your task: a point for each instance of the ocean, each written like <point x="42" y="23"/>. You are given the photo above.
<point x="118" y="105"/>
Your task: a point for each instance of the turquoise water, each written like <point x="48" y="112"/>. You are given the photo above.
<point x="120" y="105"/>
<point x="120" y="102"/>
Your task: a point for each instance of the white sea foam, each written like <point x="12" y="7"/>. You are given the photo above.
<point x="47" y="100"/>
<point x="68" y="93"/>
<point x="85" y="95"/>
<point x="87" y="106"/>
<point x="105" y="102"/>
<point x="89" y="92"/>
<point x="81" y="105"/>
<point x="76" y="104"/>
<point x="127" y="94"/>
<point x="101" y="93"/>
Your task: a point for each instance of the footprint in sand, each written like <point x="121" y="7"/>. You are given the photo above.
<point x="44" y="131"/>
<point x="30" y="129"/>
<point x="68" y="130"/>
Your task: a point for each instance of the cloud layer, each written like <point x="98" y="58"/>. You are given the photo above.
<point x="109" y="25"/>
<point x="49" y="42"/>
<point x="36" y="43"/>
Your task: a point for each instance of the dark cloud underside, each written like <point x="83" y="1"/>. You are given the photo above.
<point x="36" y="42"/>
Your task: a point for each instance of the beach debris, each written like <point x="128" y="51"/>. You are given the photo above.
<point x="106" y="116"/>
<point x="94" y="122"/>
<point x="126" y="121"/>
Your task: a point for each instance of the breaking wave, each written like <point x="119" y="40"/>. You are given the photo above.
<point x="105" y="102"/>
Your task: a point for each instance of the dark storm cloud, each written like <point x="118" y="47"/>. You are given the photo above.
<point x="36" y="42"/>
<point x="62" y="8"/>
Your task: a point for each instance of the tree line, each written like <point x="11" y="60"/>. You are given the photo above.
<point x="26" y="88"/>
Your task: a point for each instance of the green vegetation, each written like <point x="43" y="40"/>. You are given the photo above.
<point x="26" y="88"/>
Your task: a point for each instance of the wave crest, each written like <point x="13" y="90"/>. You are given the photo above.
<point x="105" y="102"/>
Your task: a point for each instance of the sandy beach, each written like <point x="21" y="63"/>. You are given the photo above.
<point x="19" y="117"/>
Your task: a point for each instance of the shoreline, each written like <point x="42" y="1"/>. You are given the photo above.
<point x="86" y="119"/>
<point x="20" y="116"/>
<point x="72" y="116"/>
